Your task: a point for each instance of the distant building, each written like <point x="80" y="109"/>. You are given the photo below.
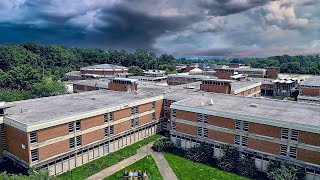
<point x="272" y="72"/>
<point x="98" y="72"/>
<point x="184" y="78"/>
<point x="309" y="90"/>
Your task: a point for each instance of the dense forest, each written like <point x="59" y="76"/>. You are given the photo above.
<point x="33" y="70"/>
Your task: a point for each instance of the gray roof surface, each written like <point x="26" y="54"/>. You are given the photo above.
<point x="263" y="80"/>
<point x="242" y="84"/>
<point x="93" y="83"/>
<point x="311" y="81"/>
<point x="249" y="69"/>
<point x="277" y="110"/>
<point x="104" y="66"/>
<point x="43" y="110"/>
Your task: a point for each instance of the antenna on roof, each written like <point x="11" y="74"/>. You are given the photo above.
<point x="211" y="102"/>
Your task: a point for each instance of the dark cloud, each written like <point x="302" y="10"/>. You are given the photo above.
<point x="207" y="27"/>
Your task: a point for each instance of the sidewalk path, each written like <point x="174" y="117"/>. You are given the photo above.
<point x="163" y="166"/>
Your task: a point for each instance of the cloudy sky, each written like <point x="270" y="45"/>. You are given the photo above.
<point x="179" y="27"/>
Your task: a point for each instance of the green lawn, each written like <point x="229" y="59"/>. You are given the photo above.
<point x="187" y="170"/>
<point x="145" y="164"/>
<point x="97" y="165"/>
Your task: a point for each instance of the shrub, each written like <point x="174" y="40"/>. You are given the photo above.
<point x="162" y="144"/>
<point x="229" y="161"/>
<point x="202" y="153"/>
<point x="246" y="167"/>
<point x="280" y="171"/>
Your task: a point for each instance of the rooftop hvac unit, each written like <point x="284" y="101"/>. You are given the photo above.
<point x="253" y="105"/>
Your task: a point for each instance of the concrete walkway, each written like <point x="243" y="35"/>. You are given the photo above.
<point x="163" y="166"/>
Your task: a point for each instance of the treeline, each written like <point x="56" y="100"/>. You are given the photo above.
<point x="287" y="64"/>
<point x="36" y="70"/>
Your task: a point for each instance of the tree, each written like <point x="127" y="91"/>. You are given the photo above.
<point x="48" y="87"/>
<point x="162" y="144"/>
<point x="135" y="70"/>
<point x="230" y="160"/>
<point x="246" y="167"/>
<point x="202" y="153"/>
<point x="284" y="171"/>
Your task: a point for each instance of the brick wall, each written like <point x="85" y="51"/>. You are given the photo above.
<point x="122" y="127"/>
<point x="92" y="136"/>
<point x="14" y="140"/>
<point x="309" y="91"/>
<point x="53" y="149"/>
<point x="144" y="107"/>
<point x="221" y="136"/>
<point x="264" y="146"/>
<point x="223" y="75"/>
<point x="215" y="88"/>
<point x="186" y="115"/>
<point x="117" y="86"/>
<point x="265" y="130"/>
<point x="308" y="156"/>
<point x="309" y="138"/>
<point x="52" y="132"/>
<point x="272" y="73"/>
<point x="78" y="87"/>
<point x="145" y="119"/>
<point x="122" y="114"/>
<point x="92" y="122"/>
<point x="159" y="109"/>
<point x="221" y="122"/>
<point x="188" y="129"/>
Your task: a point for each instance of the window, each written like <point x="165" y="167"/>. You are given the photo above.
<point x="165" y="103"/>
<point x="293" y="152"/>
<point x="205" y="132"/>
<point x="283" y="150"/>
<point x="78" y="125"/>
<point x="245" y="125"/>
<point x="105" y="117"/>
<point x="199" y="131"/>
<point x="111" y="130"/>
<point x="285" y="133"/>
<point x="71" y="127"/>
<point x="238" y="124"/>
<point x="134" y="122"/>
<point x="244" y="141"/>
<point x="249" y="91"/>
<point x="242" y="125"/>
<point x="33" y="137"/>
<point x="237" y="139"/>
<point x="106" y="131"/>
<point x="294" y="135"/>
<point x="153" y="105"/>
<point x="78" y="140"/>
<point x="34" y="155"/>
<point x="110" y="116"/>
<point x="200" y="116"/>
<point x="71" y="143"/>
<point x="174" y="113"/>
<point x="153" y="116"/>
<point x="134" y="110"/>
<point x="173" y="125"/>
<point x="205" y="118"/>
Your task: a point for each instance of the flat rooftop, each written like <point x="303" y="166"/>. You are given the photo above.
<point x="187" y="75"/>
<point x="263" y="80"/>
<point x="43" y="110"/>
<point x="238" y="85"/>
<point x="276" y="111"/>
<point x="104" y="66"/>
<point x="92" y="83"/>
<point x="249" y="69"/>
<point x="311" y="81"/>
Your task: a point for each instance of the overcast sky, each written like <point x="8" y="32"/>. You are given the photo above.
<point x="179" y="27"/>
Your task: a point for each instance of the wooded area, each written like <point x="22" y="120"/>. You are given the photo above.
<point x="33" y="70"/>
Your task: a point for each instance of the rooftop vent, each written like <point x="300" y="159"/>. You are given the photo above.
<point x="253" y="105"/>
<point x="211" y="102"/>
<point x="203" y="94"/>
<point x="93" y="98"/>
<point x="202" y="104"/>
<point x="24" y="110"/>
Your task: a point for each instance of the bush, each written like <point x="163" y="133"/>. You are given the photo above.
<point x="280" y="171"/>
<point x="162" y="144"/>
<point x="229" y="161"/>
<point x="246" y="167"/>
<point x="202" y="153"/>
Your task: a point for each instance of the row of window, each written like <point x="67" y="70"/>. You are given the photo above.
<point x="216" y="83"/>
<point x="202" y="132"/>
<point x="203" y="118"/>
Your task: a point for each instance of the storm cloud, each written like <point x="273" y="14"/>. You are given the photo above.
<point x="179" y="27"/>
